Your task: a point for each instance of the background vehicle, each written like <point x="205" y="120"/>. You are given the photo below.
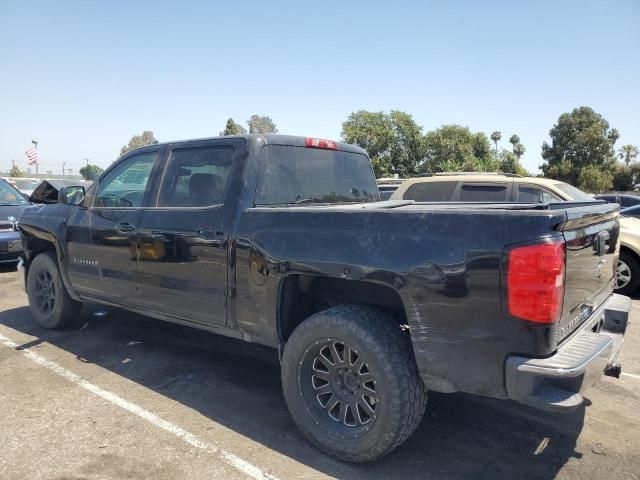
<point x="631" y="211"/>
<point x="621" y="199"/>
<point x="386" y="186"/>
<point x="25" y="185"/>
<point x="282" y="241"/>
<point x="488" y="187"/>
<point x="12" y="204"/>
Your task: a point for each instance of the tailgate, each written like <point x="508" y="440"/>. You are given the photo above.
<point x="591" y="234"/>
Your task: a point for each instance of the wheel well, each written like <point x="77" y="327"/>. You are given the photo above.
<point x="628" y="250"/>
<point x="35" y="246"/>
<point x="303" y="295"/>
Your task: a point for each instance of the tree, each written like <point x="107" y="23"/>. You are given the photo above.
<point x="496" y="136"/>
<point x="624" y="177"/>
<point x="394" y="141"/>
<point x="15" y="171"/>
<point x="258" y="124"/>
<point x="372" y="131"/>
<point x="456" y="148"/>
<point x="407" y="147"/>
<point x="137" y="141"/>
<point x="91" y="172"/>
<point x="628" y="153"/>
<point x="579" y="139"/>
<point x="514" y="140"/>
<point x="508" y="163"/>
<point x="595" y="179"/>
<point x="518" y="150"/>
<point x="233" y="128"/>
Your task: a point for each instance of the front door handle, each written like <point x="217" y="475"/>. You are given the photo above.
<point x="124" y="228"/>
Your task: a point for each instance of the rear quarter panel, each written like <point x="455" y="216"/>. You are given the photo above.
<point x="444" y="264"/>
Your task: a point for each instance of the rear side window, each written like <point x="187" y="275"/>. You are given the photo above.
<point x="483" y="193"/>
<point x="196" y="177"/>
<point x="299" y="175"/>
<point x="430" y="191"/>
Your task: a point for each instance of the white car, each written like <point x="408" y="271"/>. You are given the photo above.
<point x="497" y="187"/>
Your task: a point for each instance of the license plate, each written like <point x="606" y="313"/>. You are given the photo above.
<point x="14" y="246"/>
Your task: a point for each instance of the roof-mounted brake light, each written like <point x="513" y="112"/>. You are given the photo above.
<point x="321" y="143"/>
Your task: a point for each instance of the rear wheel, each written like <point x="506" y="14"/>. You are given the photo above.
<point x="51" y="305"/>
<point x="351" y="383"/>
<point x="627" y="274"/>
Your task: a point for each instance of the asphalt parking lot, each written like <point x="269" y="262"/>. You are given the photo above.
<point x="124" y="396"/>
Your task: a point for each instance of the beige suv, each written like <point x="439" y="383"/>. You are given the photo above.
<point x="495" y="187"/>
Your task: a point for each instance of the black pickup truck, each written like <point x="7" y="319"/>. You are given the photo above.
<point x="283" y="241"/>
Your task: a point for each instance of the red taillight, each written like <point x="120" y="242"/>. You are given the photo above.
<point x="535" y="282"/>
<point x="321" y="143"/>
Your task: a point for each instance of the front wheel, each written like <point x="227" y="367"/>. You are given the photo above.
<point x="351" y="383"/>
<point x="51" y="305"/>
<point x="627" y="274"/>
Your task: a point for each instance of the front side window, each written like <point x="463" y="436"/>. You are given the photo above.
<point x="530" y="194"/>
<point x="483" y="193"/>
<point x="124" y="186"/>
<point x="573" y="193"/>
<point x="196" y="177"/>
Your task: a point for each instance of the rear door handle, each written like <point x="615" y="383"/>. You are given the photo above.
<point x="124" y="228"/>
<point x="213" y="238"/>
<point x="211" y="234"/>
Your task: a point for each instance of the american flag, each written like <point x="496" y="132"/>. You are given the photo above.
<point x="32" y="155"/>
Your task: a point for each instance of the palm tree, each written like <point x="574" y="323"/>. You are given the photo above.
<point x="518" y="149"/>
<point x="628" y="153"/>
<point x="496" y="136"/>
<point x="514" y="140"/>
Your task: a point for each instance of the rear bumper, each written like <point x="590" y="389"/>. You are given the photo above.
<point x="558" y="382"/>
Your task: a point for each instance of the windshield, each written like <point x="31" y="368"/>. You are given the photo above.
<point x="10" y="196"/>
<point x="26" y="184"/>
<point x="574" y="193"/>
<point x="299" y="175"/>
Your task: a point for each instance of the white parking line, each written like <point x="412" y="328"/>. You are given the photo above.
<point x="631" y="375"/>
<point x="227" y="457"/>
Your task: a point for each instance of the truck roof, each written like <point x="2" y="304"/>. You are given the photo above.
<point x="269" y="139"/>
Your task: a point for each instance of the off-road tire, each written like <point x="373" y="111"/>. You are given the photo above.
<point x="387" y="349"/>
<point x="64" y="310"/>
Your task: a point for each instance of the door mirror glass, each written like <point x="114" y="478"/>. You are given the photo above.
<point x="71" y="195"/>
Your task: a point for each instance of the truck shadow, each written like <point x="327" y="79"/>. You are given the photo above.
<point x="237" y="385"/>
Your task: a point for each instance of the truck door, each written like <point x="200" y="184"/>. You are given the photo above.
<point x="183" y="239"/>
<point x="101" y="237"/>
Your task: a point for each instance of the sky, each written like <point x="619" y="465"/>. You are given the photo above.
<point x="82" y="77"/>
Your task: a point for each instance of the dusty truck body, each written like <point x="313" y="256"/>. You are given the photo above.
<point x="283" y="241"/>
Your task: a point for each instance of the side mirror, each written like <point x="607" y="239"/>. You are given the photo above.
<point x="72" y="195"/>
